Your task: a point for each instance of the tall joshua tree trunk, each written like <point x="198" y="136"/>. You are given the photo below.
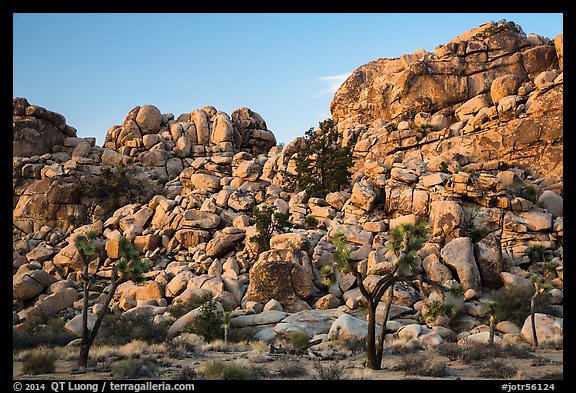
<point x="533" y="317"/>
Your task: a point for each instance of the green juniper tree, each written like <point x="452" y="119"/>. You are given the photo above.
<point x="267" y="221"/>
<point x="128" y="267"/>
<point x="323" y="165"/>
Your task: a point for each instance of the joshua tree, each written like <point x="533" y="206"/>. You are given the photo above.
<point x="128" y="267"/>
<point x="540" y="287"/>
<point x="492" y="310"/>
<point x="405" y="242"/>
<point x="226" y="324"/>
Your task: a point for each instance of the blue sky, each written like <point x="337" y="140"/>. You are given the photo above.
<point x="94" y="68"/>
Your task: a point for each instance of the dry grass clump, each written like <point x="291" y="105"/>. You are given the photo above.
<point x="134" y="368"/>
<point x="39" y="361"/>
<point x="131" y="350"/>
<point x="219" y="345"/>
<point x="333" y="370"/>
<point x="223" y="371"/>
<point x="497" y="369"/>
<point x="422" y="365"/>
<point x="475" y="352"/>
<point x="292" y="370"/>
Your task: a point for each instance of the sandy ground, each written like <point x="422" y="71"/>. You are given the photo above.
<point x="548" y="364"/>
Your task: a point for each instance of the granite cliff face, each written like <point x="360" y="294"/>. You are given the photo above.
<point x="468" y="139"/>
<point x="490" y="95"/>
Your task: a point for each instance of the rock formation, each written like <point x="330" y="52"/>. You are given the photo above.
<point x="466" y="138"/>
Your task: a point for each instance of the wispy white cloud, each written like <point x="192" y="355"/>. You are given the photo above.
<point x="333" y="82"/>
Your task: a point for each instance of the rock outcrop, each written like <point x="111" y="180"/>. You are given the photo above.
<point x="489" y="96"/>
<point x="468" y="139"/>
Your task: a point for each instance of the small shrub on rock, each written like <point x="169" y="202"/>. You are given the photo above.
<point x="208" y="323"/>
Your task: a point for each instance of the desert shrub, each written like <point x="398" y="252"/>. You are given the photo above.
<point x="528" y="191"/>
<point x="260" y="372"/>
<point x="36" y="331"/>
<point x="186" y="345"/>
<point x="422" y="131"/>
<point x="354" y="345"/>
<point x="421" y="365"/>
<point x="333" y="371"/>
<point x="238" y="335"/>
<point x="514" y="304"/>
<point x="438" y="308"/>
<point x="39" y="362"/>
<point x="497" y="27"/>
<point x="180" y="309"/>
<point x="219" y="345"/>
<point x="542" y="361"/>
<point x="299" y="339"/>
<point x="117" y="186"/>
<point x="474" y="352"/>
<point x="537" y="253"/>
<point x="327" y="275"/>
<point x="128" y="327"/>
<point x="457" y="289"/>
<point x="310" y="222"/>
<point x="292" y="370"/>
<point x="443" y="167"/>
<point x="186" y="374"/>
<point x="477" y="234"/>
<point x="392" y="126"/>
<point x="220" y="370"/>
<point x="400" y="350"/>
<point x="553" y="375"/>
<point x="134" y="368"/>
<point x="208" y="323"/>
<point x="497" y="369"/>
<point x="267" y="221"/>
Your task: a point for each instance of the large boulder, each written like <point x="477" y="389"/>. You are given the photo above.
<point x="447" y="220"/>
<point x="35" y="130"/>
<point x="459" y="254"/>
<point x="503" y="86"/>
<point x="284" y="275"/>
<point x="549" y="330"/>
<point x="29" y="285"/>
<point x="552" y="202"/>
<point x="488" y="253"/>
<point x="224" y="241"/>
<point x="52" y="303"/>
<point x="349" y="328"/>
<point x="149" y="119"/>
<point x="363" y="196"/>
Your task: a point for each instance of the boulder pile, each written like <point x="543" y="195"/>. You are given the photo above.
<point x="468" y="139"/>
